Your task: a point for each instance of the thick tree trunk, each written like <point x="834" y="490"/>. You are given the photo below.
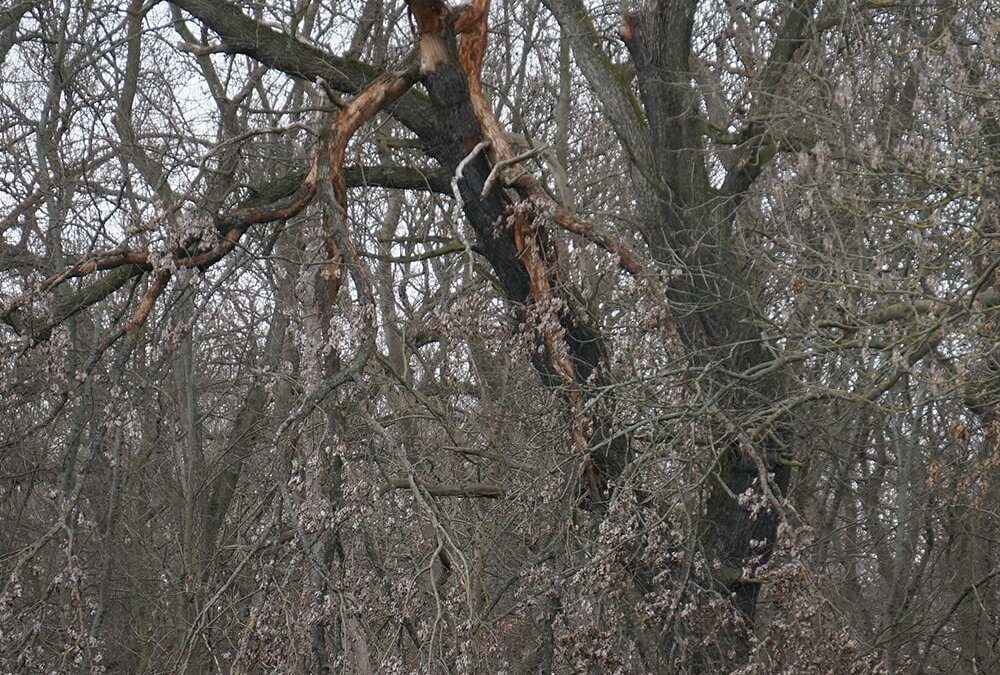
<point x="689" y="227"/>
<point x="467" y="137"/>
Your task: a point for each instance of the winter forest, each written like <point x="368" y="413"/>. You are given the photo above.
<point x="538" y="336"/>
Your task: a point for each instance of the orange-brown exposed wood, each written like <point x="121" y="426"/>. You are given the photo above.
<point x="472" y="25"/>
<point x="627" y="31"/>
<point x="106" y="262"/>
<point x="626" y="258"/>
<point x="527" y="216"/>
<point x="380" y="93"/>
<point x="332" y="276"/>
<point x="148" y="300"/>
<point x="431" y="17"/>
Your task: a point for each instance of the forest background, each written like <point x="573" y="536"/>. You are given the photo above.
<point x="543" y="336"/>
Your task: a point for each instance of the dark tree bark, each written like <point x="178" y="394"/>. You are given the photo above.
<point x="689" y="226"/>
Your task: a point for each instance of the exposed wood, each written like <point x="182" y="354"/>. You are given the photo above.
<point x="160" y="279"/>
<point x="380" y="93"/>
<point x="432" y="19"/>
<point x="241" y="34"/>
<point x="383" y="91"/>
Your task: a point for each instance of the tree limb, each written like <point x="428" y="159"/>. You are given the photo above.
<point x="613" y="89"/>
<point x="241" y="34"/>
<point x="483" y="490"/>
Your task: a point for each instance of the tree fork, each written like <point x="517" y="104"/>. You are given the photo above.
<point x="716" y="306"/>
<point x="518" y="253"/>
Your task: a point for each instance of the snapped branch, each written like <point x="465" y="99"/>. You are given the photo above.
<point x="380" y="93"/>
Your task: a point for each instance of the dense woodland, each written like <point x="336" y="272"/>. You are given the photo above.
<point x="540" y="336"/>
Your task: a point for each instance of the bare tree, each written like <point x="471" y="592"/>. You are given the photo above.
<point x="524" y="337"/>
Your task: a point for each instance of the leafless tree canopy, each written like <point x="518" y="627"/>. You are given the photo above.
<point x="550" y="336"/>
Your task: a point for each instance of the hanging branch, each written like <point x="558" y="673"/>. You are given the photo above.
<point x="381" y="92"/>
<point x="155" y="290"/>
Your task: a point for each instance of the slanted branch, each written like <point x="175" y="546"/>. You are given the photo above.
<point x="160" y="279"/>
<point x="328" y="163"/>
